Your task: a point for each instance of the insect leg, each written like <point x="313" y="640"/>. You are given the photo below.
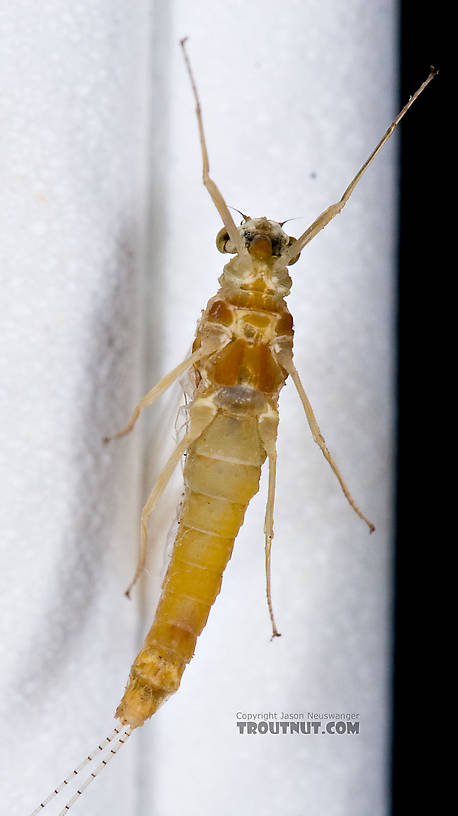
<point x="328" y="214"/>
<point x="268" y="426"/>
<point x="287" y="362"/>
<point x="202" y="413"/>
<point x="158" y="389"/>
<point x="215" y="193"/>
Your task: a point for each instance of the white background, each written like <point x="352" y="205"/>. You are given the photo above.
<point x="108" y="256"/>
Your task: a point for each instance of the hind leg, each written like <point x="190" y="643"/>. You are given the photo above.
<point x="201" y="416"/>
<point x="268" y="426"/>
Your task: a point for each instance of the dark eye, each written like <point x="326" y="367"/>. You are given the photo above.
<point x="276" y="247"/>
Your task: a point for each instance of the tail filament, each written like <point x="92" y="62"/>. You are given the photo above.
<point x="122" y="737"/>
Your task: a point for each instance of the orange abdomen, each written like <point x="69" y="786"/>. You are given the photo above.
<point x="221" y="475"/>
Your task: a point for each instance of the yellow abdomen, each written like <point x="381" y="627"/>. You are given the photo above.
<point x="221" y="475"/>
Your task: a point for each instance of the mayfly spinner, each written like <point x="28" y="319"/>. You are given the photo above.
<point x="241" y="358"/>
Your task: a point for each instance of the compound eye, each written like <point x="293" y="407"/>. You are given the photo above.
<point x="296" y="257"/>
<point x="223" y="241"/>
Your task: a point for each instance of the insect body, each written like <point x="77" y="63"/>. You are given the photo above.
<point x="241" y="358"/>
<point x="242" y="336"/>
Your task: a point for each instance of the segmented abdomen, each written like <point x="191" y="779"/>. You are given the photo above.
<point x="221" y="475"/>
<point x="242" y="380"/>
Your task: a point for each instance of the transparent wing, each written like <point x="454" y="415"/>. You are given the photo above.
<point x="169" y="426"/>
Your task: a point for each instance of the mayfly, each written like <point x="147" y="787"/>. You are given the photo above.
<point x="241" y="358"/>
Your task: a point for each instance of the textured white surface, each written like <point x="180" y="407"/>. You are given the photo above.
<point x="107" y="258"/>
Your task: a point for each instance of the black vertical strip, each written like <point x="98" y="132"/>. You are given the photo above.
<point x="420" y="479"/>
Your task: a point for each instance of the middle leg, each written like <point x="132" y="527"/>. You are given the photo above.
<point x="287" y="362"/>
